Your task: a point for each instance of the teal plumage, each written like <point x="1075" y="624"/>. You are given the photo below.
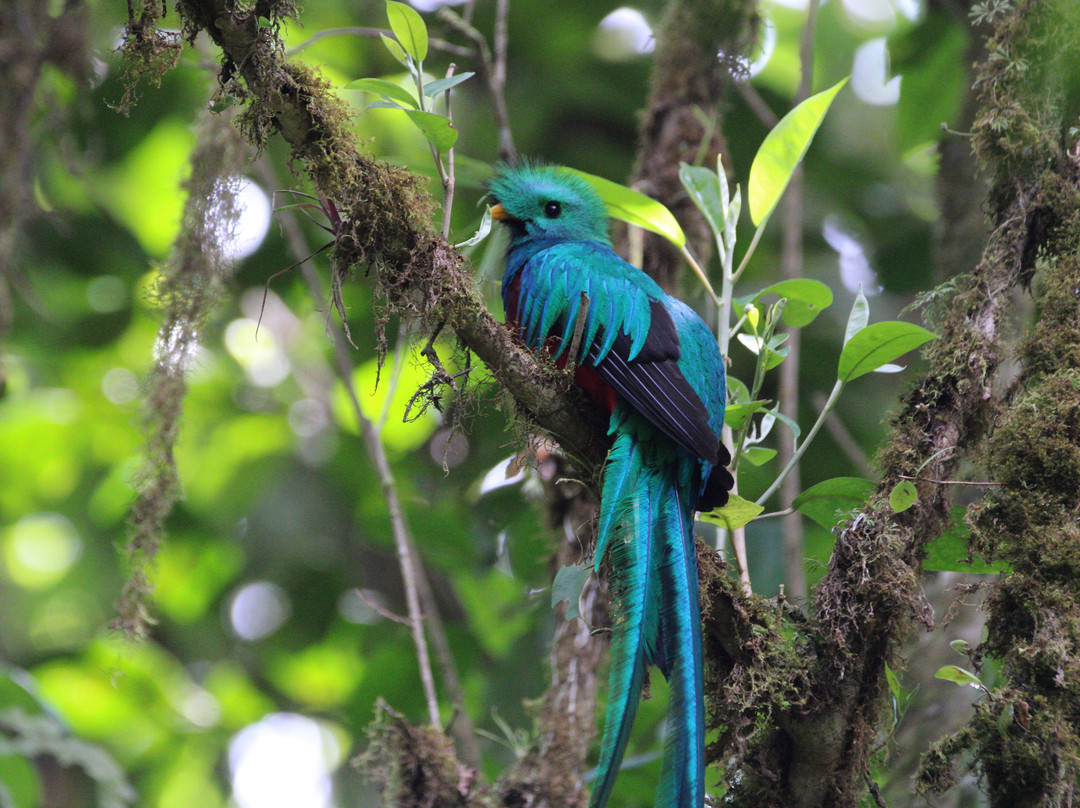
<point x="654" y="364"/>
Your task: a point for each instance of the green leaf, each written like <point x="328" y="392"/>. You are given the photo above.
<point x="893" y="682"/>
<point x="954" y="673"/>
<point x="751" y="343"/>
<point x="830" y="501"/>
<point x="395" y="49"/>
<point x="774" y="356"/>
<point x="782" y="151"/>
<point x="735" y="514"/>
<point x="758" y="455"/>
<point x="903" y="496"/>
<point x="433" y="88"/>
<point x="737" y="392"/>
<point x="635" y="208"/>
<point x="949" y="552"/>
<point x="409" y="28"/>
<point x="877" y="345"/>
<point x="387" y="89"/>
<point x="961" y="647"/>
<point x="438" y="129"/>
<point x="785" y="420"/>
<point x="735" y="415"/>
<point x="568" y="583"/>
<point x="709" y="195"/>
<point x="859" y="316"/>
<point x="806" y="299"/>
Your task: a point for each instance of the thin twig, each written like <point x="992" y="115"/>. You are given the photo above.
<point x="843" y="438"/>
<point x="774" y="514"/>
<point x="757" y="104"/>
<point x="875" y="791"/>
<point x="579" y="328"/>
<point x="408" y="558"/>
<point x="400" y="345"/>
<point x="788" y="393"/>
<point x="492" y="69"/>
<point x="382" y="611"/>
<point x="946" y="482"/>
<point x="448" y="180"/>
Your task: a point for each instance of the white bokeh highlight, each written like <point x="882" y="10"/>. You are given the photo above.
<point x="870" y="74"/>
<point x="855" y="270"/>
<point x="283" y="761"/>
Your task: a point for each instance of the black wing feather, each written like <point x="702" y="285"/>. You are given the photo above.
<point x="655" y="387"/>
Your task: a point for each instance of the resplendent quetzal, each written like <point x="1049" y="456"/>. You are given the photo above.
<point x="654" y="364"/>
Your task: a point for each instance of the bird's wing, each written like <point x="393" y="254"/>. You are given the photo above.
<point x="657" y="389"/>
<point x="625" y="331"/>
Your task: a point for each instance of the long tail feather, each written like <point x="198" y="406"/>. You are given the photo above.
<point x="682" y="774"/>
<point x="646" y="524"/>
<point x="629" y="514"/>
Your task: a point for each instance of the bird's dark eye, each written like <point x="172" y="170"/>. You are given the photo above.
<point x="552" y="209"/>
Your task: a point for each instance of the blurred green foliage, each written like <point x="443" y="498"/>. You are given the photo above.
<point x="282" y="521"/>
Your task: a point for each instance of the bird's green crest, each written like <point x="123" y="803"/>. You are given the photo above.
<point x="546" y="201"/>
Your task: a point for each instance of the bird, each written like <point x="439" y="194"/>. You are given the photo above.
<point x="654" y="365"/>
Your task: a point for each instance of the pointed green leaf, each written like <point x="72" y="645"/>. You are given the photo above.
<point x="735" y="415"/>
<point x="782" y="151"/>
<point x="859" y="316"/>
<point x="894" y="683"/>
<point x="790" y="423"/>
<point x="961" y="647"/>
<point x="806" y="299"/>
<point x="774" y="356"/>
<point x="385" y="88"/>
<point x="830" y="501"/>
<point x="635" y="208"/>
<point x="903" y="496"/>
<point x="438" y="129"/>
<point x="433" y="88"/>
<point x="395" y="49"/>
<point x="704" y="188"/>
<point x="568" y="583"/>
<point x="877" y="345"/>
<point x="409" y="28"/>
<point x="735" y="514"/>
<point x="954" y="673"/>
<point x="737" y="392"/>
<point x="758" y="455"/>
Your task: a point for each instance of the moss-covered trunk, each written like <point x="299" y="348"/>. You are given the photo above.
<point x="1026" y="735"/>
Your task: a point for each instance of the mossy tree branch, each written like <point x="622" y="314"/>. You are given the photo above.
<point x="388" y="215"/>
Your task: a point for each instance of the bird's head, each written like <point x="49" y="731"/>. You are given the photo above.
<point x="542" y="201"/>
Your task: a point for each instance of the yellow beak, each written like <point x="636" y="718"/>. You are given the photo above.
<point x="498" y="213"/>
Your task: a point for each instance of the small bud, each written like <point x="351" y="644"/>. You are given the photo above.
<point x="753" y="316"/>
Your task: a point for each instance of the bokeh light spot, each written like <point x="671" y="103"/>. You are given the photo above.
<point x="258" y="610"/>
<point x="40" y="549"/>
